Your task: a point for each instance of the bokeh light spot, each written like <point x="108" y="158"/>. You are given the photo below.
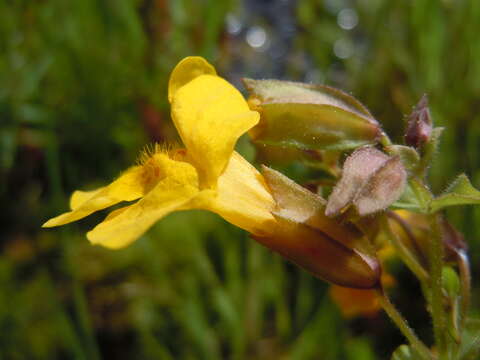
<point x="347" y="19"/>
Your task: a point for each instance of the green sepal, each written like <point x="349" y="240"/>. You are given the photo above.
<point x="430" y="149"/>
<point x="409" y="156"/>
<point x="309" y="116"/>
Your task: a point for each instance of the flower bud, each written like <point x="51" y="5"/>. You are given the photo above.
<point x="419" y="128"/>
<point x="332" y="251"/>
<point x="309" y="116"/>
<point x="371" y="181"/>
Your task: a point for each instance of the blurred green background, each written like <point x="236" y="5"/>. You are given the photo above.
<point x="83" y="90"/>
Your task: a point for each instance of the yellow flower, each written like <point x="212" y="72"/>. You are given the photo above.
<point x="210" y="115"/>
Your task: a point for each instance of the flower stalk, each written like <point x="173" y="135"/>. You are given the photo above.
<point x="403" y="326"/>
<point x="436" y="254"/>
<point x="465" y="286"/>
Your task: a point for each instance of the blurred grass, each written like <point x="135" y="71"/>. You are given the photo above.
<point x="83" y="89"/>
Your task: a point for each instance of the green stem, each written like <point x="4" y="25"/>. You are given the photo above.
<point x="436" y="295"/>
<point x="405" y="254"/>
<point x="83" y="317"/>
<point x="403" y="326"/>
<point x="465" y="284"/>
<point x="455" y="320"/>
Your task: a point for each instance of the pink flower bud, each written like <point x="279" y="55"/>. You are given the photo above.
<point x="419" y="128"/>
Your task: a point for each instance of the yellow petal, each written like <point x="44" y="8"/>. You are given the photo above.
<point x="129" y="186"/>
<point x="210" y="116"/>
<point x="187" y="70"/>
<point x="172" y="193"/>
<point x="242" y="197"/>
<point x="79" y="197"/>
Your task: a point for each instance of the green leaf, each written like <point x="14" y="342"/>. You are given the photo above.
<point x="460" y="192"/>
